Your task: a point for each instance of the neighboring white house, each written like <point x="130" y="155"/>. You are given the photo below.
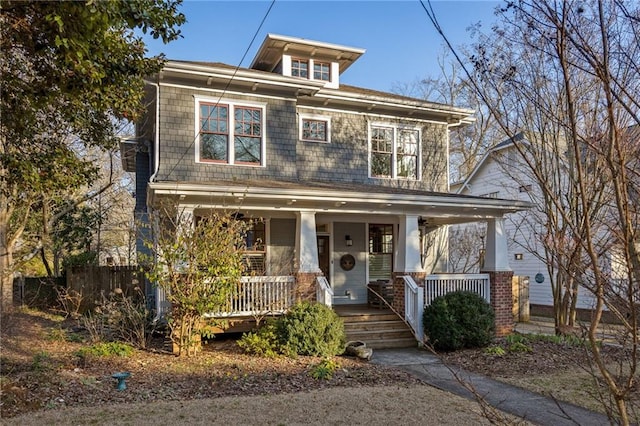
<point x="502" y="174"/>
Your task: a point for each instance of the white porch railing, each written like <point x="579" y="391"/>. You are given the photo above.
<point x="324" y="292"/>
<point x="414" y="306"/>
<point x="260" y="295"/>
<point x="441" y="284"/>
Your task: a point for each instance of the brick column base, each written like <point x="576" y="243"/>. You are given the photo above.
<point x="398" y="288"/>
<point x="501" y="301"/>
<point x="305" y="289"/>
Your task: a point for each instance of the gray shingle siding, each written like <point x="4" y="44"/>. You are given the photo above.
<point x="177" y="139"/>
<point x="345" y="159"/>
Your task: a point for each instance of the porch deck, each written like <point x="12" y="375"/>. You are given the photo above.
<point x="359" y="310"/>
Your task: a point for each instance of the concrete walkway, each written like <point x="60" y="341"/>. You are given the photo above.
<point x="527" y="405"/>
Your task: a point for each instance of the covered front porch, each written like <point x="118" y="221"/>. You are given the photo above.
<point x="319" y="242"/>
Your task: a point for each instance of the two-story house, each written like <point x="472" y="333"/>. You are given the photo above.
<point x="349" y="184"/>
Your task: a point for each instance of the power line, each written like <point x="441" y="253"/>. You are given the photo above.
<point x="235" y="71"/>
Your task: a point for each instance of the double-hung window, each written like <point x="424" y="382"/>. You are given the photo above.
<point x="395" y="152"/>
<point x="381" y="151"/>
<point x="254" y="255"/>
<point x="214" y="132"/>
<point x="230" y="133"/>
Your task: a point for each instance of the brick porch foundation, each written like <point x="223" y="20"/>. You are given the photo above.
<point x="398" y="288"/>
<point x="502" y="300"/>
<point x="306" y="286"/>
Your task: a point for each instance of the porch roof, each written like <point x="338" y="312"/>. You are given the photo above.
<point x="438" y="208"/>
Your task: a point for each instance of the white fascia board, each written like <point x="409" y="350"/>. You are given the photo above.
<point x="487" y="155"/>
<point x="322" y="196"/>
<point x="313" y="43"/>
<point x="244" y="75"/>
<point x="461" y="114"/>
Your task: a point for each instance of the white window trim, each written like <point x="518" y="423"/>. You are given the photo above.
<point x="302" y="117"/>
<point x="394" y="156"/>
<point x="232" y="104"/>
<point x="334" y="69"/>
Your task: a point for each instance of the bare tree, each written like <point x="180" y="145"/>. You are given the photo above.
<point x="566" y="73"/>
<point x="452" y="87"/>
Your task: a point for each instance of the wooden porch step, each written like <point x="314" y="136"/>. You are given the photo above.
<point x="377" y="328"/>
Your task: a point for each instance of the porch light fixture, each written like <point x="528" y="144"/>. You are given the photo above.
<point x="518" y="256"/>
<point x="348" y="241"/>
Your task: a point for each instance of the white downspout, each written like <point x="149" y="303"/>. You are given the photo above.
<point x="156" y="167"/>
<point x="156" y="142"/>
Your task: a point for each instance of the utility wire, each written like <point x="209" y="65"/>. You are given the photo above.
<point x="235" y="71"/>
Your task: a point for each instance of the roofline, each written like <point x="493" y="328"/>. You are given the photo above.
<point x="316" y="89"/>
<point x="303" y="41"/>
<point x="463" y="115"/>
<point x="241" y="74"/>
<point x="321" y="195"/>
<point x="498" y="147"/>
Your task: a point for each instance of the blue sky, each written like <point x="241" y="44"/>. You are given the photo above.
<point x="400" y="41"/>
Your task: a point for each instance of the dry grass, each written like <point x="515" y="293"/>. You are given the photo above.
<point x="43" y="381"/>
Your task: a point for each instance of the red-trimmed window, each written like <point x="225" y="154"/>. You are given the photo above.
<point x="231" y="134"/>
<point x="214" y="132"/>
<point x="300" y="68"/>
<point x="255" y="250"/>
<point x="314" y="130"/>
<point x="322" y="71"/>
<point x="248" y="135"/>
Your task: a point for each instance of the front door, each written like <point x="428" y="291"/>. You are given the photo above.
<point x="323" y="255"/>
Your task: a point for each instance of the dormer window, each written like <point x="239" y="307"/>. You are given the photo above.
<point x="300" y="68"/>
<point x="322" y="71"/>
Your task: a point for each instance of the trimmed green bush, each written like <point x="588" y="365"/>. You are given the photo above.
<point x="262" y="342"/>
<point x="311" y="329"/>
<point x="458" y="320"/>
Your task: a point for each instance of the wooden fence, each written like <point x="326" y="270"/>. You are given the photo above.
<point x="92" y="282"/>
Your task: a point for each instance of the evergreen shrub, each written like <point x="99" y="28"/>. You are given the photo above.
<point x="311" y="329"/>
<point x="458" y="320"/>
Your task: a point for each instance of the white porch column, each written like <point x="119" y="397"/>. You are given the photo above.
<point x="496" y="256"/>
<point x="306" y="244"/>
<point x="408" y="247"/>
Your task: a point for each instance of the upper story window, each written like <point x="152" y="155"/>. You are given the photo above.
<point x="310" y="69"/>
<point x="315" y="128"/>
<point x="300" y="68"/>
<point x="490" y="194"/>
<point x="230" y="133"/>
<point x="395" y="152"/>
<point x="322" y="71"/>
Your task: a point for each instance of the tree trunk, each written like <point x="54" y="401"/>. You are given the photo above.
<point x="6" y="272"/>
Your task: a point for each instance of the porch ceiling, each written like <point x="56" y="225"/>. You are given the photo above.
<point x="437" y="207"/>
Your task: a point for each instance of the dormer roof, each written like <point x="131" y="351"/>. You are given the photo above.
<point x="274" y="46"/>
